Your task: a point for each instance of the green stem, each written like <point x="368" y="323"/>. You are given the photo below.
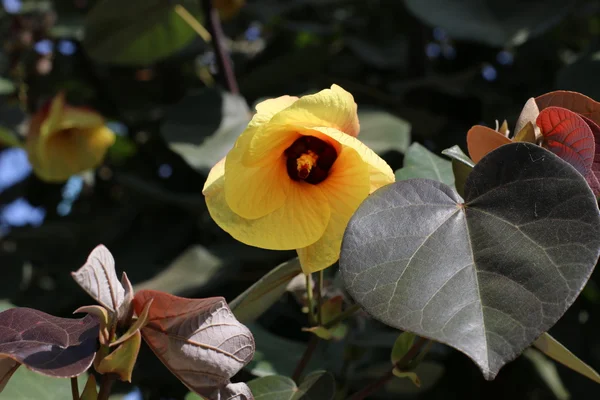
<point x="404" y="361"/>
<point x="74" y="388"/>
<point x="309" y="299"/>
<point x="320" y="298"/>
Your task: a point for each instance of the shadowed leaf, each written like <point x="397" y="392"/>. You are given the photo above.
<point x="382" y="131"/>
<point x="116" y="34"/>
<point x="192" y="269"/>
<point x="481" y="140"/>
<point x="568" y="136"/>
<point x="548" y="373"/>
<point x="199" y="340"/>
<point x="488" y="276"/>
<point x="263" y="294"/>
<point x="421" y="163"/>
<point x="461" y="172"/>
<point x="496" y="23"/>
<point x="53" y="346"/>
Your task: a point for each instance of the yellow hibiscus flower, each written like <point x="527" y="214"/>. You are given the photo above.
<point x="295" y="177"/>
<point x="65" y="140"/>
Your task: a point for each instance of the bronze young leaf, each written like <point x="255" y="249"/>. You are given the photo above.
<point x="199" y="340"/>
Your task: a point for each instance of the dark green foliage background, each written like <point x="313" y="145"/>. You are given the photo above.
<point x="374" y="49"/>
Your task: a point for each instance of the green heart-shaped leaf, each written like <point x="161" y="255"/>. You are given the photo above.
<point x="487" y="276"/>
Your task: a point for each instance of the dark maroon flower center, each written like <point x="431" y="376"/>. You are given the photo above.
<point x="309" y="159"/>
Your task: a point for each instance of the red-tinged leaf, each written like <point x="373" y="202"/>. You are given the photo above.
<point x="481" y="140"/>
<point x="8" y="366"/>
<point x="568" y="136"/>
<point x="53" y="346"/>
<point x="573" y="101"/>
<point x="199" y="340"/>
<point x="596" y="132"/>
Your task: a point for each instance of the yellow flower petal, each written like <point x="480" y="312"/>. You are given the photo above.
<point x="333" y="108"/>
<point x="68" y="152"/>
<point x="50" y="117"/>
<point x="300" y="222"/>
<point x="253" y="192"/>
<point x="346" y="187"/>
<point x="264" y="112"/>
<point x="76" y="117"/>
<point x="380" y="171"/>
<point x="214" y="175"/>
<point x="268" y="108"/>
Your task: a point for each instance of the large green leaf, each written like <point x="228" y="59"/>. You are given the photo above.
<point x="263" y="294"/>
<point x="203" y="127"/>
<point x="27" y="385"/>
<point x="319" y="385"/>
<point x="488" y="276"/>
<point x="192" y="269"/>
<point x="493" y="22"/>
<point x="421" y="163"/>
<point x="382" y="131"/>
<point x="136" y="32"/>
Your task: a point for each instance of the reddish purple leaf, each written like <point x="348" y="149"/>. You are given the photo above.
<point x="568" y="136"/>
<point x="53" y="346"/>
<point x="573" y="101"/>
<point x="199" y="340"/>
<point x="596" y="132"/>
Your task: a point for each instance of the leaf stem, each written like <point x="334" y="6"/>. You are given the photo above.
<point x="404" y="361"/>
<point x="106" y="386"/>
<point x="342" y="316"/>
<point x="193" y="23"/>
<point x="310" y="349"/>
<point x="223" y="60"/>
<point x="320" y="297"/>
<point x="74" y="388"/>
<point x="309" y="299"/>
